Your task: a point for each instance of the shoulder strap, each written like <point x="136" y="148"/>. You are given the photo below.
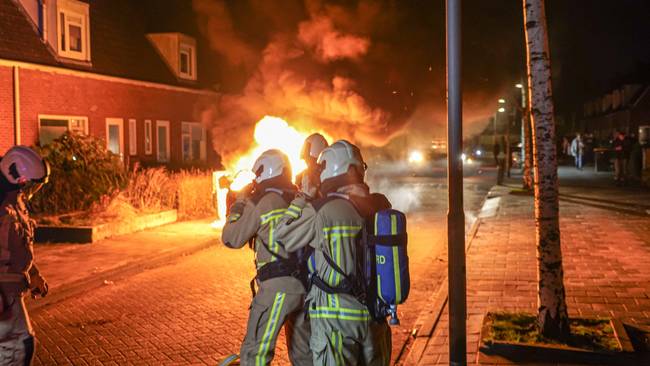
<point x="319" y="203"/>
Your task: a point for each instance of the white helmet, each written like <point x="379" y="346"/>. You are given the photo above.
<point x="313" y="146"/>
<point x="271" y="164"/>
<point x="21" y="165"/>
<point x="337" y="159"/>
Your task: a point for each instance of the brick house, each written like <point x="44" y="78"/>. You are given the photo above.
<point x="96" y="67"/>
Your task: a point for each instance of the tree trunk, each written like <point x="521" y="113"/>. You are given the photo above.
<point x="552" y="318"/>
<point x="528" y="151"/>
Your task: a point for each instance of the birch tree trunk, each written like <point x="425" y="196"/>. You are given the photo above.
<point x="528" y="152"/>
<point x="552" y="317"/>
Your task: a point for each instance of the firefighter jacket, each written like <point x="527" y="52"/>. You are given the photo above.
<point x="257" y="221"/>
<point x="332" y="229"/>
<point x="16" y="244"/>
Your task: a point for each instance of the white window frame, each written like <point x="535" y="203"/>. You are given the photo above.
<point x="161" y="124"/>
<point x="120" y="123"/>
<point x="190" y="50"/>
<point x="148" y="137"/>
<point x="133" y="137"/>
<point x="203" y="149"/>
<point x="78" y="9"/>
<point x="63" y="117"/>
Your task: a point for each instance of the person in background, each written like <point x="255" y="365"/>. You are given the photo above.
<point x="577" y="151"/>
<point x="621" y="147"/>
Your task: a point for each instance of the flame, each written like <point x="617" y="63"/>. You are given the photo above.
<point x="270" y="133"/>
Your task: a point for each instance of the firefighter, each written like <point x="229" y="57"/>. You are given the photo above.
<point x="308" y="181"/>
<point x="279" y="301"/>
<point x="23" y="172"/>
<point x="343" y="331"/>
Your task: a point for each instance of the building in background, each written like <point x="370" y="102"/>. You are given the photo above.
<point x="96" y="68"/>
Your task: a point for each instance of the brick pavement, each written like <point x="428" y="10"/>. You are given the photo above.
<point x="606" y="256"/>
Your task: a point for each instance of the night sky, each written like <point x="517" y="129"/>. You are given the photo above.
<point x="594" y="46"/>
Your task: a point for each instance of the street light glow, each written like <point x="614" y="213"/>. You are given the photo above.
<point x="501" y="109"/>
<point x="519" y="86"/>
<point x="416" y="157"/>
<point x="502" y="101"/>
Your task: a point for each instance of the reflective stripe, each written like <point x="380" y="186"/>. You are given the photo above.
<point x="327" y="312"/>
<point x="269" y="331"/>
<point x="273" y="214"/>
<point x="398" y="280"/>
<point x="234" y="217"/>
<point x="336" y="340"/>
<point x="292" y="214"/>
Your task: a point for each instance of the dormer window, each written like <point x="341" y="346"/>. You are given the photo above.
<point x="187" y="61"/>
<point x="74" y="30"/>
<point x="179" y="52"/>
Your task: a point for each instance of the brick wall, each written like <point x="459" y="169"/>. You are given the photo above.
<point x="6" y="109"/>
<point x="50" y="93"/>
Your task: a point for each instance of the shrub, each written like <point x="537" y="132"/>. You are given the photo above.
<point x="195" y="196"/>
<point x="83" y="173"/>
<point x="150" y="189"/>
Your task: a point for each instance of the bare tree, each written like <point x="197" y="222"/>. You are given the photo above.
<point x="553" y="320"/>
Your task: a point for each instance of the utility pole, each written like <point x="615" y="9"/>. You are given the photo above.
<point x="455" y="214"/>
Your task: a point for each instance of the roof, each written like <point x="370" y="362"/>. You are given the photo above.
<point x="119" y="46"/>
<point x="19" y="39"/>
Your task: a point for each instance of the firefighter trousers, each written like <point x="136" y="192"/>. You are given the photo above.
<point x="16" y="335"/>
<point x="269" y="311"/>
<point x="336" y="342"/>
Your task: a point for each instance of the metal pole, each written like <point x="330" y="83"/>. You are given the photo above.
<point x="455" y="215"/>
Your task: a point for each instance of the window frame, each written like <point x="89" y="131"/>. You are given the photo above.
<point x="203" y="143"/>
<point x="72" y="8"/>
<point x="148" y="137"/>
<point x="160" y="123"/>
<point x="62" y="117"/>
<point x="190" y="50"/>
<point x="120" y="123"/>
<point x="133" y="137"/>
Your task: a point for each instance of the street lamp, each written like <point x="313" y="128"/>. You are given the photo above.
<point x="501" y="109"/>
<point x="502" y="101"/>
<point x="519" y="86"/>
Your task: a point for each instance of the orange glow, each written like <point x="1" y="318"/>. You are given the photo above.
<point x="270" y="133"/>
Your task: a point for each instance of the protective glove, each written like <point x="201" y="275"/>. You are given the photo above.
<point x="38" y="286"/>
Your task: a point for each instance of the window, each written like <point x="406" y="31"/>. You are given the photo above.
<point x="193" y="140"/>
<point x="147" y="137"/>
<point x="187" y="61"/>
<point x="162" y="138"/>
<point x="52" y="127"/>
<point x="74" y="32"/>
<point x="133" y="140"/>
<point x="115" y="136"/>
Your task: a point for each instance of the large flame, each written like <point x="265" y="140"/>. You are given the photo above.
<point x="270" y="133"/>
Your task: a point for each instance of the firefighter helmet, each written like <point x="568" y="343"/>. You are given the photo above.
<point x="313" y="146"/>
<point x="337" y="159"/>
<point x="271" y="164"/>
<point x="22" y="165"/>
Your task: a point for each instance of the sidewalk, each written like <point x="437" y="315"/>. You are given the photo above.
<point x="606" y="253"/>
<point x="71" y="269"/>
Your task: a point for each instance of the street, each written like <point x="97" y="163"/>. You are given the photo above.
<point x="194" y="310"/>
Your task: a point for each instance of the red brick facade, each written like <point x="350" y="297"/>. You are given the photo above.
<point x="53" y="91"/>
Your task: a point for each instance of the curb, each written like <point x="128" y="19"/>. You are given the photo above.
<point x="97" y="280"/>
<point x="428" y="319"/>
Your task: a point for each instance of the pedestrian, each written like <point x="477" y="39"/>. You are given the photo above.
<point x="344" y="332"/>
<point x="566" y="147"/>
<point x="23" y="172"/>
<point x="577" y="151"/>
<point x="280" y="278"/>
<point x="622" y="149"/>
<point x="635" y="163"/>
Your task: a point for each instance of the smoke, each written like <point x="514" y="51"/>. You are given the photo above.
<point x="300" y="76"/>
<point x="403" y="198"/>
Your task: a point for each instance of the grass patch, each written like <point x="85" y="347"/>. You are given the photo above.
<point x="589" y="334"/>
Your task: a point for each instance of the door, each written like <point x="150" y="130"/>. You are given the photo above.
<point x="115" y="136"/>
<point x="162" y="141"/>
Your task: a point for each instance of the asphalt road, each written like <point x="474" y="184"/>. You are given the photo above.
<point x="194" y="310"/>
